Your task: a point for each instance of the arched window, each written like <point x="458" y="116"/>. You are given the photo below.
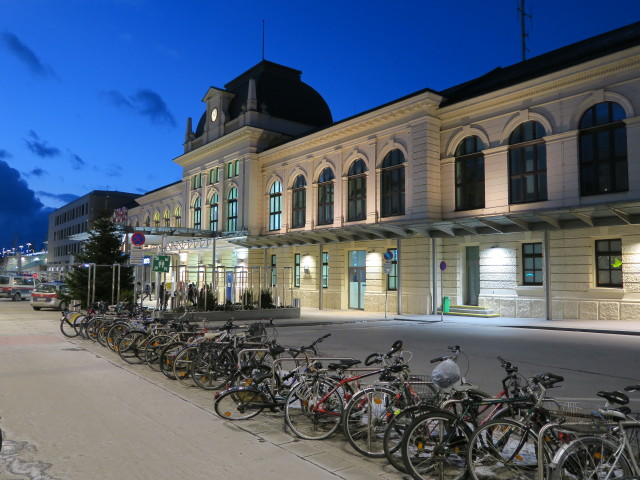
<point x="213" y="212"/>
<point x="177" y="214"/>
<point x="232" y="210"/>
<point x="156" y="219"/>
<point x="299" y="201"/>
<point x="275" y="206"/>
<point x="392" y="184"/>
<point x="197" y="214"/>
<point x="603" y="150"/>
<point x="147" y="221"/>
<point x="357" y="191"/>
<point x="167" y="218"/>
<point x="470" y="174"/>
<point x="325" y="197"/>
<point x="527" y="164"/>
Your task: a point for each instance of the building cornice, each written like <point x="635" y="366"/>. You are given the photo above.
<point x="428" y="102"/>
<point x="221" y="145"/>
<point x="536" y="88"/>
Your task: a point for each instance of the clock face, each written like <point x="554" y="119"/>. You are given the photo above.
<point x="214" y="114"/>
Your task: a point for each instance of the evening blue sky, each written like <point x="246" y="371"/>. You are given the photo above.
<point x="95" y="94"/>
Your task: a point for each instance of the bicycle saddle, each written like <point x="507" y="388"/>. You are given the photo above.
<point x="344" y="364"/>
<point x="614" y="397"/>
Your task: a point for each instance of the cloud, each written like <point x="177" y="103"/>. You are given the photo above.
<point x="26" y="55"/>
<point x="59" y="197"/>
<point x="77" y="163"/>
<point x="4" y="154"/>
<point x="144" y="102"/>
<point x="36" y="172"/>
<point x="22" y="216"/>
<point x="114" y="170"/>
<point x="40" y="147"/>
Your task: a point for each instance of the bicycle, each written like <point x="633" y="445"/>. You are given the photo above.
<point x="251" y="396"/>
<point x="316" y="404"/>
<point x="610" y="451"/>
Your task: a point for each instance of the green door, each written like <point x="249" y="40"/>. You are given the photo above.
<point x="472" y="283"/>
<point x="357" y="278"/>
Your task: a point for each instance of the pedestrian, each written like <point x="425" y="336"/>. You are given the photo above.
<point x="161" y="296"/>
<point x="138" y="292"/>
<point x="147" y="292"/>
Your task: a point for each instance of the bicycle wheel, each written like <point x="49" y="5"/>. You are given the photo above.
<point x="313" y="409"/>
<point x="167" y="356"/>
<point x="213" y="369"/>
<point x="434" y="447"/>
<point x="128" y="346"/>
<point x="240" y="403"/>
<point x="154" y="347"/>
<point x="503" y="449"/>
<point x="67" y="329"/>
<point x="114" y="333"/>
<point x="394" y="432"/>
<point x="366" y="416"/>
<point x="182" y="365"/>
<point x="591" y="458"/>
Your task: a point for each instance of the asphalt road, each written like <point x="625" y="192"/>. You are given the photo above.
<point x="72" y="410"/>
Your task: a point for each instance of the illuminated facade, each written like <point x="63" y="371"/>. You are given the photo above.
<point x="525" y="182"/>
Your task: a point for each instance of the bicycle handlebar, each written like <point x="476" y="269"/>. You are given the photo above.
<point x="632" y="388"/>
<point x="371" y="359"/>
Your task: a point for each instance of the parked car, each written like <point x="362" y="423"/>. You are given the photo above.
<point x="50" y="295"/>
<point x="17" y="287"/>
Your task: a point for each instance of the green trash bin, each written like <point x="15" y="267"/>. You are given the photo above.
<point x="446" y="304"/>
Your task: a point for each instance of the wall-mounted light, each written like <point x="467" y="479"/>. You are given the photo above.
<point x="306" y="269"/>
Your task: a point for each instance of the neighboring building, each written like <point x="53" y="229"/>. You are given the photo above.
<point x="525" y="181"/>
<point x="75" y="219"/>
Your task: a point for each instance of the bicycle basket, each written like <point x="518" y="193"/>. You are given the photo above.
<point x="446" y="374"/>
<point x="422" y="386"/>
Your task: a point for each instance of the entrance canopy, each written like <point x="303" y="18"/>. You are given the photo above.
<point x="600" y="215"/>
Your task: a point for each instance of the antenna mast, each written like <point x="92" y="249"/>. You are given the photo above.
<point x="263" y="39"/>
<point x="523" y="15"/>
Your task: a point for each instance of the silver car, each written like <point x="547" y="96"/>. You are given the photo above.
<point x="48" y="295"/>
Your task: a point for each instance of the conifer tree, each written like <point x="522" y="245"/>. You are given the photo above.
<point x="103" y="249"/>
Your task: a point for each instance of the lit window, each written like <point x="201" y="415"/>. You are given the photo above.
<point x="213" y="213"/>
<point x="275" y="206"/>
<point x="177" y="214"/>
<point x="325" y="270"/>
<point x="167" y="218"/>
<point x="274" y="271"/>
<point x="296" y="270"/>
<point x="156" y="219"/>
<point x="197" y="214"/>
<point x="392" y="277"/>
<point x="232" y="210"/>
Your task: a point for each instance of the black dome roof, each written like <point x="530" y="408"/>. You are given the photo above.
<point x="281" y="93"/>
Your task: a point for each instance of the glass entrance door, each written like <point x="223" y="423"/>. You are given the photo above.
<point x="472" y="283"/>
<point x="357" y="278"/>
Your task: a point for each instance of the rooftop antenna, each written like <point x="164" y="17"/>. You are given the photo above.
<point x="263" y="39"/>
<point x="522" y="13"/>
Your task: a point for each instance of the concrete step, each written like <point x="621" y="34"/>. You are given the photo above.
<point x="470" y="311"/>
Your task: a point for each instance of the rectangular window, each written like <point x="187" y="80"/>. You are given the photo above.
<point x="196" y="182"/>
<point x="532" y="264"/>
<point x="392" y="277"/>
<point x="609" y="263"/>
<point x="229" y="169"/>
<point x="274" y="272"/>
<point x="325" y="270"/>
<point x="236" y="168"/>
<point x="214" y="175"/>
<point x="296" y="270"/>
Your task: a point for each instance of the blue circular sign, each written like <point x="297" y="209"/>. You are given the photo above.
<point x="138" y="238"/>
<point x="443" y="265"/>
<point x="388" y="256"/>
